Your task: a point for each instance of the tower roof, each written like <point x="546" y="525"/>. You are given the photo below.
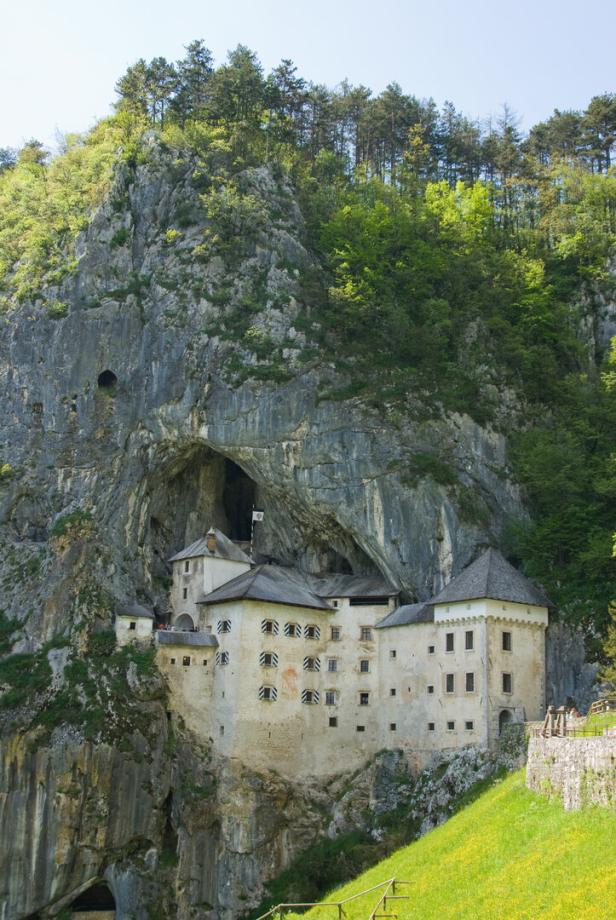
<point x="491" y="576"/>
<point x="225" y="549"/>
<point x="407" y="614"/>
<point x="270" y="583"/>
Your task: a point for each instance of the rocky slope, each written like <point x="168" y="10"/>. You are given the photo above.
<point x="138" y="407"/>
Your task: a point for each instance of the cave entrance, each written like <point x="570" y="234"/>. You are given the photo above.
<point x="96" y="901"/>
<point x="238" y="499"/>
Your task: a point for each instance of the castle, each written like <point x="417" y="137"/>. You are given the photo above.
<point x="312" y="675"/>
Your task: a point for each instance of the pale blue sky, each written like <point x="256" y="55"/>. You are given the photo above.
<point x="59" y="59"/>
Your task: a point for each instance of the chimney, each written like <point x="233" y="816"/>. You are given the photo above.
<point x="210" y="540"/>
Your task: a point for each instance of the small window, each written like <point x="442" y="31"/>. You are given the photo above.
<point x="470" y="682"/>
<point x="450" y="683"/>
<point x="221" y="730"/>
<point x="392" y="653"/>
<point x="334" y="603"/>
<point x="333" y="721"/>
<point x="469" y="725"/>
<point x="292" y="630"/>
<point x="186" y="661"/>
<point x="365" y="634"/>
<point x="187" y="566"/>
<point x="205" y="662"/>
<point x="360" y="728"/>
<point x="184" y="593"/>
<point x="431" y="726"/>
<point x="449" y="647"/>
<point x="392" y="692"/>
<point x="270" y="627"/>
<point x="223" y="626"/>
<point x="451" y="726"/>
<point x="312" y="664"/>
<point x="268" y="694"/>
<point x="330" y="697"/>
<point x="222" y="658"/>
<point x="506" y="641"/>
<point x="172" y="661"/>
<point x="312" y="632"/>
<point x="364" y="699"/>
<point x="268" y="660"/>
<point x="311" y="697"/>
<point x="332" y="664"/>
<point x="507" y="683"/>
<point x="431" y="649"/>
<point x="132" y="625"/>
<point x="364" y="666"/>
<point x="335" y="632"/>
<point x="392" y="726"/>
<point x="430" y="688"/>
<point x="469" y="640"/>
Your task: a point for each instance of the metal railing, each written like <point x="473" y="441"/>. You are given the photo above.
<point x="389" y="884"/>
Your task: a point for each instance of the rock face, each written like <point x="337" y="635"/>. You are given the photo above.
<point x="129" y="414"/>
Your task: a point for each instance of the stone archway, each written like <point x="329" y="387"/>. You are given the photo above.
<point x="185" y="622"/>
<point x="505" y="718"/>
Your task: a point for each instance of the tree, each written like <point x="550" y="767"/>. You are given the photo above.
<point x="8" y="158"/>
<point x="132" y="88"/>
<point x="286" y="98"/>
<point x="193" y="74"/>
<point x="599" y="124"/>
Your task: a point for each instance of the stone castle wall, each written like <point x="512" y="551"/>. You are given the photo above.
<point x="579" y="771"/>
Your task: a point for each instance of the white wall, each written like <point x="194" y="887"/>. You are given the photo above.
<point x="142" y="629"/>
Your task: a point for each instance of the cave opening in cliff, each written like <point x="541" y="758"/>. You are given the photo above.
<point x="238" y="498"/>
<point x="96" y="898"/>
<point x="107" y="380"/>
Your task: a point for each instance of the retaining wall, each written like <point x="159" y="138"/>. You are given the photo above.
<point x="580" y="771"/>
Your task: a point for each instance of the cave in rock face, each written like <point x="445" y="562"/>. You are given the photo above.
<point x="203" y="489"/>
<point x="97" y="899"/>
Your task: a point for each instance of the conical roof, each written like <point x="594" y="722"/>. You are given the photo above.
<point x="493" y="577"/>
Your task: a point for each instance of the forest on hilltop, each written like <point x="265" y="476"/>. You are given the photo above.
<point x="461" y="265"/>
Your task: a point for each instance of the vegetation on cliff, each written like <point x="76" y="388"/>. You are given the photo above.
<point x="507" y="851"/>
<point x="456" y="266"/>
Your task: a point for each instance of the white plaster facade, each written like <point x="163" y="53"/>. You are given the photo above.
<point x="131" y="628"/>
<point x="310" y="692"/>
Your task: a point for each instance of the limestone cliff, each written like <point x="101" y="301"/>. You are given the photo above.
<point x="143" y="410"/>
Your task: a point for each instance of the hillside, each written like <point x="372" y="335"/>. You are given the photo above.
<point x="509" y="854"/>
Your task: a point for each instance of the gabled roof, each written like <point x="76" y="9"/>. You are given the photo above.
<point x="270" y="583"/>
<point x="491" y="576"/>
<point x="225" y="549"/>
<point x="407" y="614"/>
<point x="179" y="637"/>
<point x="135" y="612"/>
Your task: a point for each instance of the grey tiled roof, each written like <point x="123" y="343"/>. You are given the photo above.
<point x="493" y="577"/>
<point x="406" y="614"/>
<point x="270" y="583"/>
<point x="135" y="611"/>
<point x="348" y="585"/>
<point x="225" y="549"/>
<point x="177" y="637"/>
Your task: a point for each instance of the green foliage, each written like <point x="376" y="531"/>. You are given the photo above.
<point x="119" y="238"/>
<point x="57" y="310"/>
<point x="75" y="520"/>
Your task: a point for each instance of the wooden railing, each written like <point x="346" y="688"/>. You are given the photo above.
<point x="557" y="725"/>
<point x="389" y="885"/>
<point x="604" y="705"/>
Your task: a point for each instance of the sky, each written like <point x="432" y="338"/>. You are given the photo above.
<point x="60" y="59"/>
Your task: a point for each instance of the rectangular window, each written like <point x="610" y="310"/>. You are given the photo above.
<point x="506" y="641"/>
<point x="450" y="683"/>
<point x="310" y="696"/>
<point x="392" y="726"/>
<point x="172" y="661"/>
<point x="223" y="626"/>
<point x="430" y="688"/>
<point x="187" y="566"/>
<point x="368" y="601"/>
<point x="332" y="664"/>
<point x="392" y="692"/>
<point x="312" y="664"/>
<point x="364" y="666"/>
<point x="330" y="697"/>
<point x="270" y="627"/>
<point x="333" y="721"/>
<point x="470" y="682"/>
<point x="335" y="633"/>
<point x="184" y="593"/>
<point x="431" y="726"/>
<point x="221" y="730"/>
<point x="205" y="662"/>
<point x="292" y="630"/>
<point x="364" y="699"/>
<point x="365" y="634"/>
<point x="469" y="640"/>
<point x="269" y="694"/>
<point x="507" y="683"/>
<point x="392" y="653"/>
<point x="469" y="725"/>
<point x="360" y="728"/>
<point x="186" y="661"/>
<point x="222" y="657"/>
<point x="268" y="660"/>
<point x="451" y="726"/>
<point x="449" y="642"/>
<point x="132" y="625"/>
<point x="431" y="649"/>
<point x="312" y="632"/>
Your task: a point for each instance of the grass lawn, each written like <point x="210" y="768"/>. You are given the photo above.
<point x="510" y="854"/>
<point x="596" y="723"/>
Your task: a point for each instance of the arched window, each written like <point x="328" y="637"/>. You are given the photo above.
<point x="185" y="622"/>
